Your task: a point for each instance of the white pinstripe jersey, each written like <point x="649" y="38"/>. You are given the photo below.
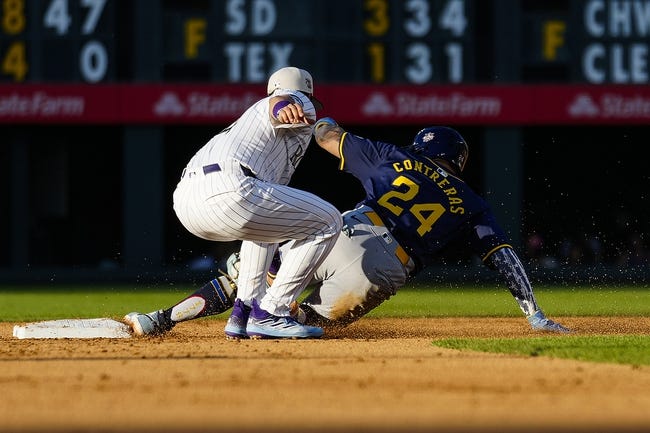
<point x="272" y="153"/>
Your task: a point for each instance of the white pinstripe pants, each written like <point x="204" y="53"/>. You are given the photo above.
<point x="228" y="206"/>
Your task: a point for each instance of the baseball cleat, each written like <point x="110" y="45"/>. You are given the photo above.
<point x="262" y="324"/>
<point x="145" y="324"/>
<point x="236" y="326"/>
<point x="297" y="313"/>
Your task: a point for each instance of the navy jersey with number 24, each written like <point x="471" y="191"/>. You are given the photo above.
<point x="425" y="207"/>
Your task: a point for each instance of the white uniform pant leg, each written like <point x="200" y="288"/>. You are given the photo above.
<point x="313" y="227"/>
<point x="255" y="259"/>
<point x="360" y="272"/>
<point x="227" y="206"/>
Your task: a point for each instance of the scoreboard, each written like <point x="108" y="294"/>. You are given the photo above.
<point x="58" y="40"/>
<point x="612" y="41"/>
<point x="590" y="41"/>
<point x="412" y="42"/>
<point x="372" y="41"/>
<point x="401" y="61"/>
<point x="417" y="41"/>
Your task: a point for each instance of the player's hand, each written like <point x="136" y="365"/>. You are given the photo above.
<point x="539" y="322"/>
<point x="327" y="134"/>
<point x="324" y="121"/>
<point x="291" y="112"/>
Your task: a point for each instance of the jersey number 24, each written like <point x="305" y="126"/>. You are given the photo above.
<point x="426" y="213"/>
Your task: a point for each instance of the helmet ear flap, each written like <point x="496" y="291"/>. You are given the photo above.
<point x="463" y="154"/>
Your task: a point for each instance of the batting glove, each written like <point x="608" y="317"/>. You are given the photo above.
<point x="539" y="322"/>
<point x="325" y="121"/>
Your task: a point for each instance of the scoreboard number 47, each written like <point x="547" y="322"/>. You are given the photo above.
<point x="56" y="20"/>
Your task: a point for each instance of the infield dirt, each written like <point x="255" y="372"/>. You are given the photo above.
<point x="377" y="375"/>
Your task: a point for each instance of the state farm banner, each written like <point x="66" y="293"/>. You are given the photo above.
<point x="59" y="104"/>
<point x="425" y="104"/>
<point x="352" y="104"/>
<point x="187" y="103"/>
<point x="591" y="105"/>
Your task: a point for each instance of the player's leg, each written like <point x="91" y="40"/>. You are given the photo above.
<point x="311" y="239"/>
<point x="349" y="286"/>
<point x="356" y="277"/>
<point x="362" y="271"/>
<point x="264" y="213"/>
<point x="254" y="259"/>
<point x="311" y="226"/>
<point x="215" y="297"/>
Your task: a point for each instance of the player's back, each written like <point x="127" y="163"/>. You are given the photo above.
<point x="424" y="206"/>
<point x="272" y="154"/>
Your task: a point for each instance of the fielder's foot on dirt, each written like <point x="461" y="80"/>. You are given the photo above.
<point x="236" y="326"/>
<point x="262" y="324"/>
<point x="146" y="324"/>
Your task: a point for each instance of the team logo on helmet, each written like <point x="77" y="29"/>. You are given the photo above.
<point x="439" y="142"/>
<point x="428" y="137"/>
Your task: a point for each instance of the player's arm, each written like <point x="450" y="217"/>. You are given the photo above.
<point x="284" y="109"/>
<point x="506" y="262"/>
<point x="329" y="135"/>
<point x="487" y="239"/>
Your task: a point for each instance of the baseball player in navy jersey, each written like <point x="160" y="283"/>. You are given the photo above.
<point x="416" y="206"/>
<point x="235" y="188"/>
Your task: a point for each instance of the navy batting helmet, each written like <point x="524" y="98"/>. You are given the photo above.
<point x="441" y="142"/>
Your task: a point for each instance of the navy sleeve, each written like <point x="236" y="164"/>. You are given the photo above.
<point x="485" y="236"/>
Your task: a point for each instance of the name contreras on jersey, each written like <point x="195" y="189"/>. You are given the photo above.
<point x="438" y="176"/>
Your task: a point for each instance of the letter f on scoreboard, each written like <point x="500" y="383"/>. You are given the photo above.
<point x="194" y="36"/>
<point x="553" y="38"/>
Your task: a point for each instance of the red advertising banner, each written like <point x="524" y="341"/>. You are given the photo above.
<point x="352" y="104"/>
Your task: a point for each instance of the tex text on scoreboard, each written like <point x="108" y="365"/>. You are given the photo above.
<point x="366" y="41"/>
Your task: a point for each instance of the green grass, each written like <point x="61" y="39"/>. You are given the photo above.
<point x="20" y="303"/>
<point x="24" y="304"/>
<point x="627" y="349"/>
<point x="493" y="301"/>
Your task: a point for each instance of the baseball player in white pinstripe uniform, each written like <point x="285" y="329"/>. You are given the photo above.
<point x="235" y="188"/>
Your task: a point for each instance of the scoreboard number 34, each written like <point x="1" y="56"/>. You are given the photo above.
<point x="426" y="27"/>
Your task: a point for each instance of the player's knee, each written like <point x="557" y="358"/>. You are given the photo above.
<point x="337" y="224"/>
